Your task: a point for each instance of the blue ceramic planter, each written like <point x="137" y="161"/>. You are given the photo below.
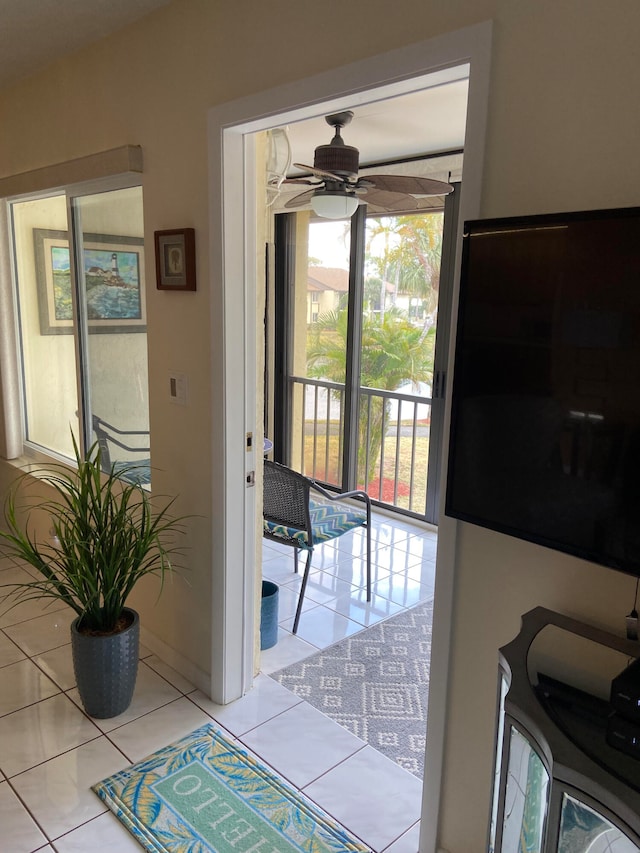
<point x="106" y="668"/>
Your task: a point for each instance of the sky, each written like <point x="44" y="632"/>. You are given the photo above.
<point x="327" y="243"/>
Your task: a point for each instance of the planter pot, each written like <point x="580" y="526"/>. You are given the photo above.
<point x="106" y="668"/>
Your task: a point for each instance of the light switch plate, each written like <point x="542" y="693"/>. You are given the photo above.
<point x="178" y="388"/>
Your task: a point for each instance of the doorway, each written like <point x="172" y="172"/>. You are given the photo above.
<point x="234" y="322"/>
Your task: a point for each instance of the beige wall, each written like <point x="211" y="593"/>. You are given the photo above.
<point x="563" y="127"/>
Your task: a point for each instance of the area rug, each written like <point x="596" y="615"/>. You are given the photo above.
<point x="375" y="683"/>
<point x="203" y="794"/>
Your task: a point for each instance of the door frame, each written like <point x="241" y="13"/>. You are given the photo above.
<point x="234" y="285"/>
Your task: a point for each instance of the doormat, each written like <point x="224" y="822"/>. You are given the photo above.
<point x="375" y="683"/>
<point x="203" y="794"/>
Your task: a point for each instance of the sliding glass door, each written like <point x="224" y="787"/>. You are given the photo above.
<point x="79" y="273"/>
<point x="362" y="312"/>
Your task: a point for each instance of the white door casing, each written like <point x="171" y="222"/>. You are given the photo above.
<point x="233" y="286"/>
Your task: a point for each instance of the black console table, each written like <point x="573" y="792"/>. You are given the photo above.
<point x="559" y="785"/>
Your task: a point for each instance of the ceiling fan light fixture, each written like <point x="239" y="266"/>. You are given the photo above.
<point x="334" y="205"/>
<point x="337" y="189"/>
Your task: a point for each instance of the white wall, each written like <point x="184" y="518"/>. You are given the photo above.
<point x="562" y="134"/>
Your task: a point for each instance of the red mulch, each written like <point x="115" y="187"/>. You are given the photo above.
<point x="387" y="489"/>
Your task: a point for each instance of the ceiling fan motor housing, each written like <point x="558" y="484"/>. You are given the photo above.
<point x="340" y="159"/>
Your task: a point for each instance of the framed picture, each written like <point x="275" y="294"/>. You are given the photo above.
<point x="176" y="259"/>
<point x="113" y="281"/>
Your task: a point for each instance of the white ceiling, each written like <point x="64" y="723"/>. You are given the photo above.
<point x="408" y="126"/>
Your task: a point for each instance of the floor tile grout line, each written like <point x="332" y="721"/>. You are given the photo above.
<point x="83" y="823"/>
<point x="324" y="808"/>
<point x="402" y="834"/>
<point x="253" y="728"/>
<point x="120" y="750"/>
<point x="331" y="769"/>
<point x="302" y="790"/>
<point x="33" y="655"/>
<point x="25" y="806"/>
<point x="11" y="640"/>
<point x="33" y="704"/>
<point x="134" y="719"/>
<point x="48" y="610"/>
<point x="51" y="757"/>
<point x="60" y="692"/>
<point x="164" y="678"/>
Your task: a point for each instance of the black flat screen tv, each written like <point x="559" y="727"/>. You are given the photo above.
<point x="545" y="426"/>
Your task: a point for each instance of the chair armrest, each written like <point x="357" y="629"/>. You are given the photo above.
<point x="356" y="493"/>
<point x="336" y="496"/>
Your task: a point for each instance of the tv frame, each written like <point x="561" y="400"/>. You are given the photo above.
<point x="501" y="224"/>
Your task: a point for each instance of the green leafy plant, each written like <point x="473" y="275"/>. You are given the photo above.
<point x="105" y="536"/>
<point x="393" y="351"/>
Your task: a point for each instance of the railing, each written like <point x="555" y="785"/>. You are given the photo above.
<point x="393" y="440"/>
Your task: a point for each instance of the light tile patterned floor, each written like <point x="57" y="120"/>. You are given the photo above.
<point x="51" y="752"/>
<point x="335" y="606"/>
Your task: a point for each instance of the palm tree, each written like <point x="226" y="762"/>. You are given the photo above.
<point x="407" y="250"/>
<point x="416" y="259"/>
<point x="379" y="250"/>
<point x="393" y="351"/>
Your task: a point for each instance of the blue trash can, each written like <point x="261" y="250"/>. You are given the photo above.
<point x="269" y="615"/>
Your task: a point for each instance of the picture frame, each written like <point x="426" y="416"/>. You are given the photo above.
<point x="113" y="275"/>
<point x="175" y="259"/>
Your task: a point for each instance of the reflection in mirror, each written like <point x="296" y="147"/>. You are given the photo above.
<point x="576" y="661"/>
<point x="525" y="805"/>
<point x="582" y="830"/>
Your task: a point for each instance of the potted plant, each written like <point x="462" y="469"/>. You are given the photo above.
<point x="105" y="536"/>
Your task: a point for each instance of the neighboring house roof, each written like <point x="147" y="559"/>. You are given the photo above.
<point x="332" y="278"/>
<point x="328" y="278"/>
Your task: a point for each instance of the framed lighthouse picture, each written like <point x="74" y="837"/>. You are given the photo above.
<point x="112" y="281"/>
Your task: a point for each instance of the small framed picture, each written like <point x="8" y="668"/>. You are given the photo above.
<point x="176" y="259"/>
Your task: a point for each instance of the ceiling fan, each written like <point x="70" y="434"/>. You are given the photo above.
<point x="337" y="189"/>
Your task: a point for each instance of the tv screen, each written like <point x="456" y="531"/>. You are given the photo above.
<point x="545" y="429"/>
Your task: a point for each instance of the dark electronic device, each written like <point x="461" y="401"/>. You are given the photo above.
<point x="545" y="426"/>
<point x="624" y="735"/>
<point x="625" y="693"/>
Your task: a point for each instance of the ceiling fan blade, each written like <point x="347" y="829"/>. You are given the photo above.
<point x="301" y="199"/>
<point x="380" y="201"/>
<point x="320" y="173"/>
<point x="407" y="184"/>
<point x="305" y="181"/>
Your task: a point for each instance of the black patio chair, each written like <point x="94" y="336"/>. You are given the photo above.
<point x="299" y="512"/>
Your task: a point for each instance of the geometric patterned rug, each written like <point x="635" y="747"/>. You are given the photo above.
<point x="375" y="684"/>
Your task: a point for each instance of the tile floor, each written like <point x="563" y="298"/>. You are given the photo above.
<point x="51" y="752"/>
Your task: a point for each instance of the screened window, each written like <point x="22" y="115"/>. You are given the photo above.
<point x="80" y="297"/>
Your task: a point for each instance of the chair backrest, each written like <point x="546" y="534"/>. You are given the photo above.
<point x="286" y="497"/>
<point x="107" y="435"/>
